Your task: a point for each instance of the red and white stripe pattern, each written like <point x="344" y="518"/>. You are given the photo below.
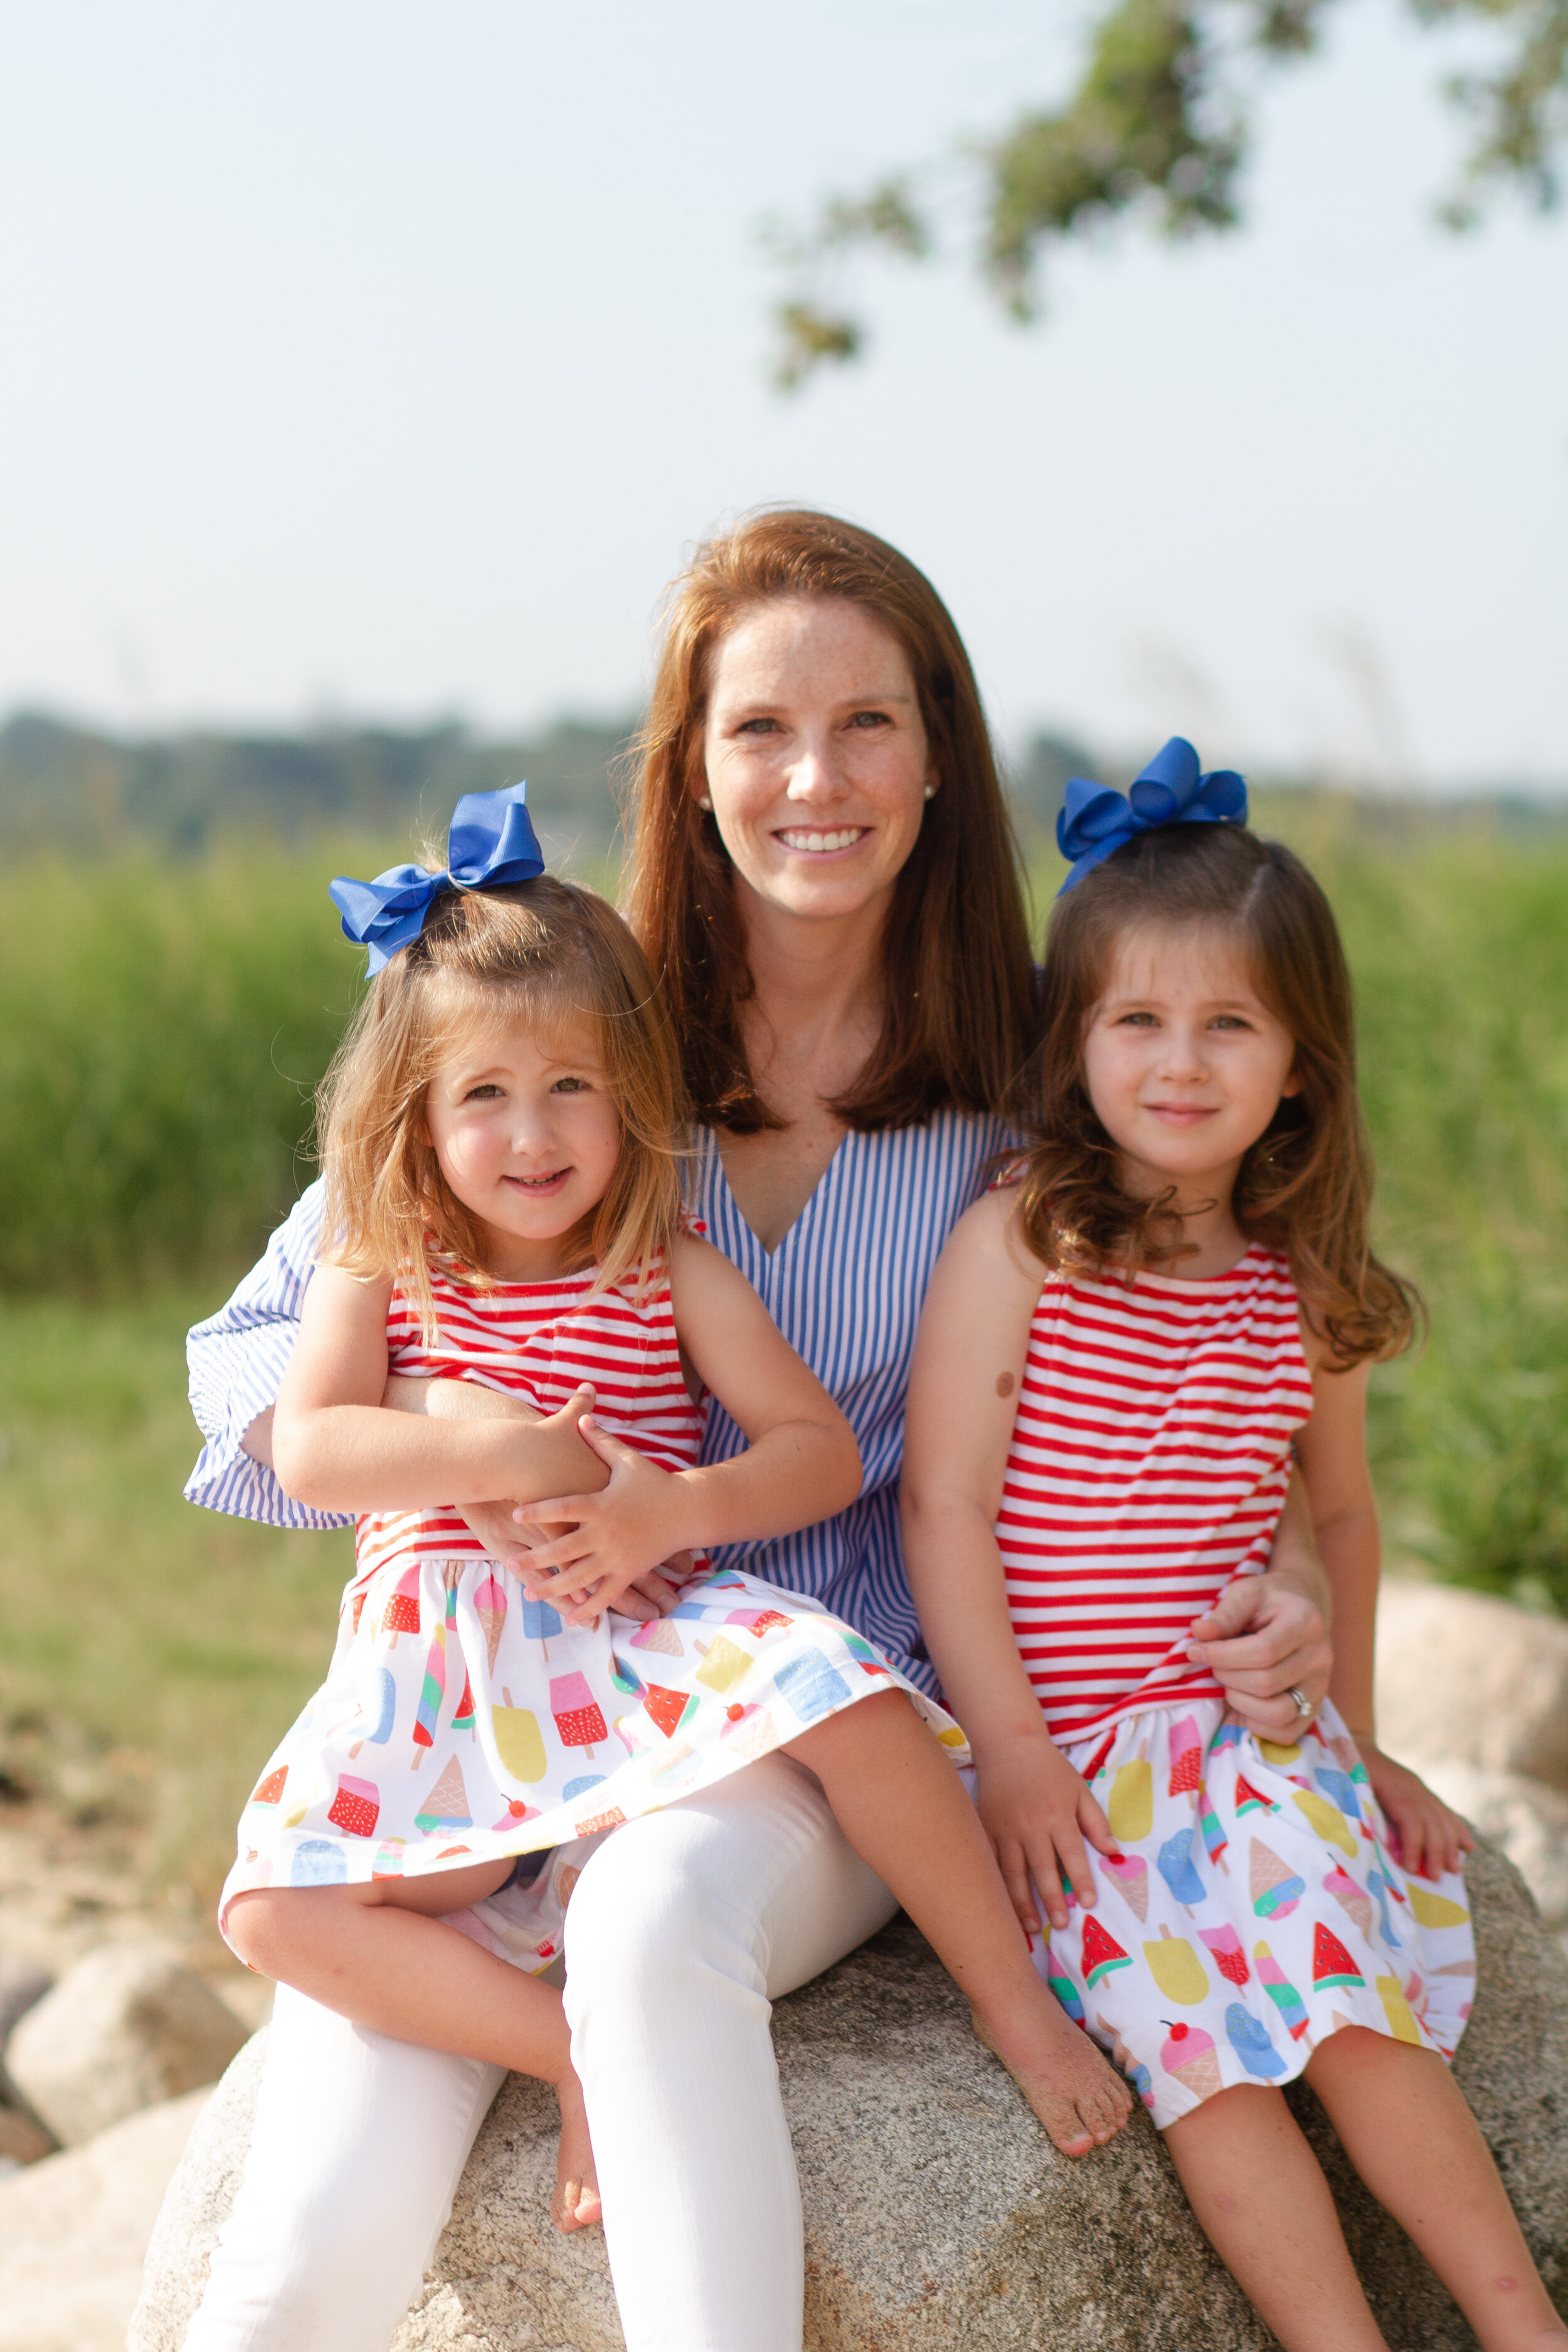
<point x="1148" y="1467"/>
<point x="541" y="1340"/>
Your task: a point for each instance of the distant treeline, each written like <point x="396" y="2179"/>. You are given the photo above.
<point x="64" y="785"/>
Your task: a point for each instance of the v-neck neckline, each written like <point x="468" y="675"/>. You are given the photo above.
<point x="772" y="1256"/>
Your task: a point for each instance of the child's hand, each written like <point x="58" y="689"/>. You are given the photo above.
<point x="1427" y="1836"/>
<point x="610" y="1539"/>
<point x="1037" y="1813"/>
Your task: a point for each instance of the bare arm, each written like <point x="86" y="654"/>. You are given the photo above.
<point x="1332" y="1449"/>
<point x="336" y="1448"/>
<point x="958" y="1424"/>
<point x="801" y="1463"/>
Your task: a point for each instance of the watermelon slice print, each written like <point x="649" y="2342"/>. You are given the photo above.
<point x="1331" y="1964"/>
<point x="1101" y="1954"/>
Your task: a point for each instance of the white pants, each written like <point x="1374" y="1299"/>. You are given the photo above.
<point x="683" y="1927"/>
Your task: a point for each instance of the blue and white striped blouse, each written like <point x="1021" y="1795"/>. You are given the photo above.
<point x="845" y="1286"/>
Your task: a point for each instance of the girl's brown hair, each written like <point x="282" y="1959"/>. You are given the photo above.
<point x="958" y="1020"/>
<point x="1305" y="1186"/>
<point x="550" y="952"/>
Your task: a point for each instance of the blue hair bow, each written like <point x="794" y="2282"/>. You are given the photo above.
<point x="491" y="841"/>
<point x="1171" y="789"/>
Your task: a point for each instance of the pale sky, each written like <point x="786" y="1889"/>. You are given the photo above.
<point x="381" y="359"/>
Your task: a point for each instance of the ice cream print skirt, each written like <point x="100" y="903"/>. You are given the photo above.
<point x="1256" y="1909"/>
<point x="460" y="1721"/>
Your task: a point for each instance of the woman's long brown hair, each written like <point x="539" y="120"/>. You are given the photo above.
<point x="958" y="1021"/>
<point x="1305" y="1186"/>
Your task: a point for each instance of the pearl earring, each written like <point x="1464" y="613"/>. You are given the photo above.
<point x="931" y="791"/>
<point x="704" y="802"/>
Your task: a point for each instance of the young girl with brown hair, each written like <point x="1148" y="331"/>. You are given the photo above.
<point x="503" y="1208"/>
<point x="1125" y="1344"/>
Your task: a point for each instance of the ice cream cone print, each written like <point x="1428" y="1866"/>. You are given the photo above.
<point x="401" y="1614"/>
<point x="1227" y="1736"/>
<point x="1132" y="1807"/>
<point x="725" y="1664"/>
<point x="447" y="1806"/>
<point x="1188" y="2057"/>
<point x="752" y="1732"/>
<point x="489" y="1608"/>
<point x="1101" y="1954"/>
<point x="1293" y="2009"/>
<point x="1396" y="2009"/>
<point x="1343" y="1751"/>
<point x="1137" y="2074"/>
<point x="1175" y="1862"/>
<point x="1350" y="1898"/>
<point x="356" y="1807"/>
<point x="1434" y="1910"/>
<point x="578" y="1721"/>
<point x="809" y="1686"/>
<point x="1331" y="1964"/>
<point x="540" y="1621"/>
<point x="1250" y="2042"/>
<point x="658" y="1634"/>
<point x="519" y="1744"/>
<point x="517" y="1810"/>
<point x="1275" y="1888"/>
<point x="270" y="1792"/>
<point x="581" y="1786"/>
<point x="1176" y="1968"/>
<point x="566" y="1878"/>
<point x="1186" y="1757"/>
<point x="1228" y="1957"/>
<point x="1129" y="1873"/>
<point x="1327" y="1819"/>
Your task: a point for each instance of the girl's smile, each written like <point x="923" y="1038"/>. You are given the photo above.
<point x="1185" y="1063"/>
<point x="527" y="1136"/>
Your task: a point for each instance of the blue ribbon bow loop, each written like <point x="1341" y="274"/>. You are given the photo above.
<point x="1171" y="789"/>
<point x="491" y="841"/>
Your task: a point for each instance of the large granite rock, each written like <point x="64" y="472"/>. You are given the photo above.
<point x="73" y="2231"/>
<point x="128" y="2026"/>
<point x="936" y="2214"/>
<point x="1462" y="1675"/>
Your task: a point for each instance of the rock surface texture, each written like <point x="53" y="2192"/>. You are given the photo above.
<point x="936" y="2214"/>
<point x="1462" y="1675"/>
<point x="73" y="2231"/>
<point x="127" y="2027"/>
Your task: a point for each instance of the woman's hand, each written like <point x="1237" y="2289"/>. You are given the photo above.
<point x="1261" y="1639"/>
<point x="599" y="1545"/>
<point x="1427" y="1836"/>
<point x="1038" y="1814"/>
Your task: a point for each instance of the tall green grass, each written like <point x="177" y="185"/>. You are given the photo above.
<point x="160" y="1030"/>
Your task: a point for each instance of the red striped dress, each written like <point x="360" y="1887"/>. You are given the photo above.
<point x="539" y="1341"/>
<point x="1148" y="1467"/>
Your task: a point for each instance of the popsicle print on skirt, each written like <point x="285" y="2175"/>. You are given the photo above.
<point x="1302" y="1921"/>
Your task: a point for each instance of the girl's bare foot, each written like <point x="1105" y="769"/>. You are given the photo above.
<point x="1071" y="2085"/>
<point x="575" y="2204"/>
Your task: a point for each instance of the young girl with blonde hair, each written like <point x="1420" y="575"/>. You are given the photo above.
<point x="1168" y="1297"/>
<point x="503" y="1208"/>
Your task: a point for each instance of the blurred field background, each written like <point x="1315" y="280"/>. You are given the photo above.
<point x="165" y="1010"/>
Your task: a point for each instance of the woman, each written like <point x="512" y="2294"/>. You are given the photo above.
<point x="825" y="880"/>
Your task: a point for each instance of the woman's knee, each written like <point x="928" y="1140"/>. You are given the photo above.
<point x="273" y="1927"/>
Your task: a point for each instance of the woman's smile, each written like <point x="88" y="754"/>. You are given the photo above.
<point x="818" y="845"/>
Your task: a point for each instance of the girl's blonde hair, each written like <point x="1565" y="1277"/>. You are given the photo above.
<point x="550" y="953"/>
<point x="1305" y="1186"/>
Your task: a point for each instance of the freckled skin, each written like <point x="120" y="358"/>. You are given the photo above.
<point x="1004" y="1384"/>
